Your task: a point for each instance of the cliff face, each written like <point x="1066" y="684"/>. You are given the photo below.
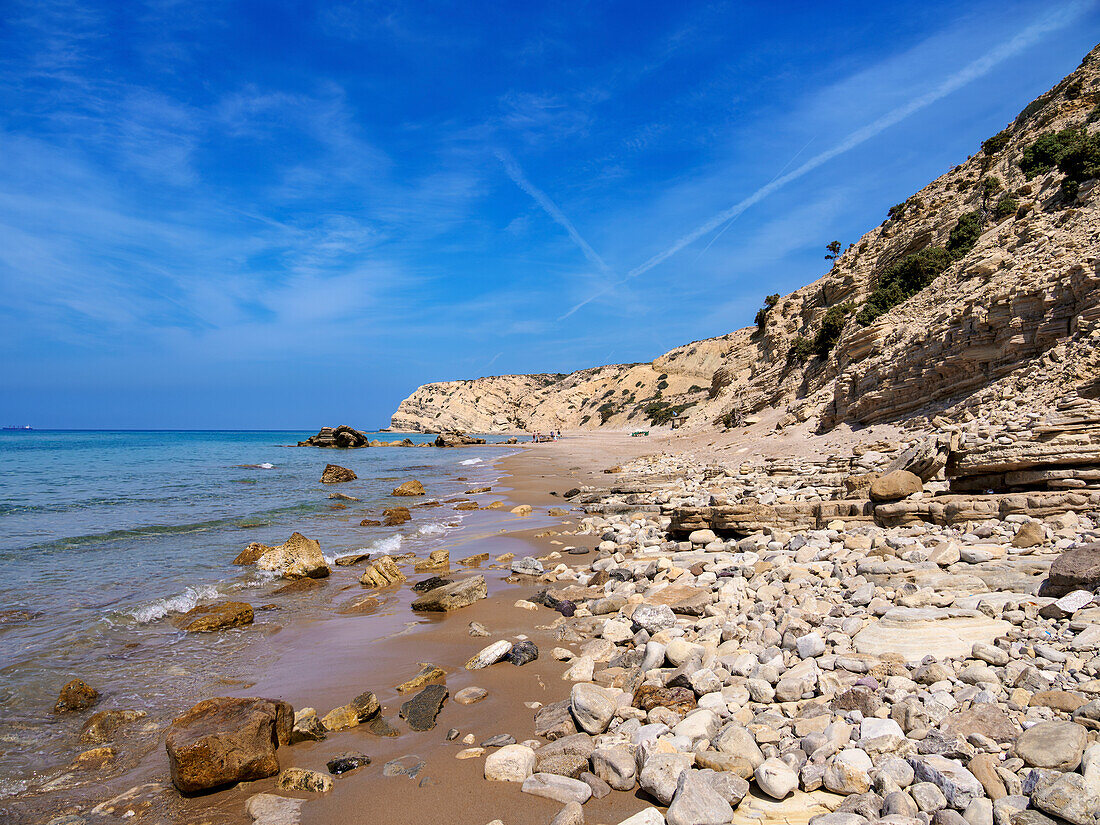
<point x="1015" y="293"/>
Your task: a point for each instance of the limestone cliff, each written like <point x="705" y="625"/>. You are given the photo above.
<point x="1008" y="247"/>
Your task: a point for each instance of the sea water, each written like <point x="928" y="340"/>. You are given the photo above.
<point x="106" y="536"/>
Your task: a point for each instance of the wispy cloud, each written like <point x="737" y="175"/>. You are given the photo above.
<point x="551" y="209"/>
<point x="957" y="80"/>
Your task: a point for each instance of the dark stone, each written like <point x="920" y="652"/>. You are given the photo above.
<point x="678" y="699"/>
<point x="864" y="804"/>
<point x="347" y="762"/>
<point x="620" y="574"/>
<point x="430" y="584"/>
<point x="342" y="437"/>
<point x="1076" y="569"/>
<point x="365" y="706"/>
<point x="600" y="789"/>
<point x="421" y="711"/>
<point x="578" y="551"/>
<point x="572" y="491"/>
<point x="499" y="741"/>
<point x="566" y="608"/>
<point x="522" y="653"/>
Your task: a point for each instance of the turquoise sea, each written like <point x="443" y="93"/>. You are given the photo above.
<point x="105" y="536"/>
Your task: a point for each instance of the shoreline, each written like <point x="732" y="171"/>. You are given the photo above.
<point x="431" y="637"/>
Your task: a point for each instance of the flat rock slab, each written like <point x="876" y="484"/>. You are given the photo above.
<point x="453" y="596"/>
<point x="421" y="711"/>
<point x="797" y="809"/>
<point x="913" y="632"/>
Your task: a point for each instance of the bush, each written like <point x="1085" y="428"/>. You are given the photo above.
<point x="1079" y="163"/>
<point x="662" y="385"/>
<point x="1006" y="206"/>
<point x="1047" y="150"/>
<point x="606" y="411"/>
<point x="659" y="412"/>
<point x="831" y="327"/>
<point x="695" y="388"/>
<point x="762" y="313"/>
<point x="1033" y="108"/>
<point x="586" y="419"/>
<point x="801" y="349"/>
<point x="895" y="211"/>
<point x="965" y="234"/>
<point x="902" y="280"/>
<point x="993" y="145"/>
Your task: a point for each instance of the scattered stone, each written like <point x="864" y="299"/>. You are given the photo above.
<point x="296" y="558"/>
<point x="221" y="616"/>
<point x="395" y="516"/>
<point x="559" y="788"/>
<point x="428" y="673"/>
<point x="102" y="726"/>
<point x="270" y="809"/>
<point x="511" y="763"/>
<point x="1055" y="745"/>
<point x="470" y="695"/>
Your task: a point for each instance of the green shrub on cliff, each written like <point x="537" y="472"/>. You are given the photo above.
<point x="831" y="327"/>
<point x="762" y="313"/>
<point x="993" y="145"/>
<point x="1006" y="206"/>
<point x="903" y="279"/>
<point x="965" y="233"/>
<point x="1047" y="150"/>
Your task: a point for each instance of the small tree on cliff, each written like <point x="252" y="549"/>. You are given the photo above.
<point x="832" y="251"/>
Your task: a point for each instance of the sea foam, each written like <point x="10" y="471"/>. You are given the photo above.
<point x="180" y="603"/>
<point x="471" y="461"/>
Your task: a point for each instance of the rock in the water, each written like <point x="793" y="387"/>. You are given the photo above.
<point x="512" y="763"/>
<point x="297" y="558"/>
<point x="559" y="788"/>
<point x="300" y="779"/>
<point x="396" y="516"/>
<point x="102" y="726"/>
<point x="222" y="616"/>
<point x="409" y="488"/>
<point x="76" y="695"/>
<point x="522" y="653"/>
<point x="421" y="711"/>
<point x="342" y="437"/>
<point x="1056" y="745"/>
<point x="346" y="762"/>
<point x="453" y="596"/>
<point x="383" y="572"/>
<point x="895" y="486"/>
<point x="225" y="740"/>
<point x="335" y="474"/>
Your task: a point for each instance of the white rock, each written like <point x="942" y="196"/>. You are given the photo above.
<point x="512" y="763"/>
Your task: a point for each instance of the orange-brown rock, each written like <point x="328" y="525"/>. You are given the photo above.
<point x="208" y="617"/>
<point x="335" y="474"/>
<point x="393" y="516"/>
<point x="409" y="488"/>
<point x="223" y="741"/>
<point x="76" y="695"/>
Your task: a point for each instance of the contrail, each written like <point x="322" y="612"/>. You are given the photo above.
<point x="956" y="81"/>
<point x="551" y="209"/>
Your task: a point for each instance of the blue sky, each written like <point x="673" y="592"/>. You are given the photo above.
<point x="289" y="214"/>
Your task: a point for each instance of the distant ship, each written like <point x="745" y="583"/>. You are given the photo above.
<point x="24" y="427"/>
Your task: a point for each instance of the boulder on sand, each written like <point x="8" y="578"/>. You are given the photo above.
<point x="453" y="596"/>
<point x="409" y="488"/>
<point x="224" y="740"/>
<point x="296" y="558"/>
<point x="335" y="474"/>
<point x="420" y="711"/>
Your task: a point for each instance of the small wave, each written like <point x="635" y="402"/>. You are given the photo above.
<point x="433" y="528"/>
<point x="180" y="603"/>
<point x="387" y="546"/>
<point x="470" y="461"/>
